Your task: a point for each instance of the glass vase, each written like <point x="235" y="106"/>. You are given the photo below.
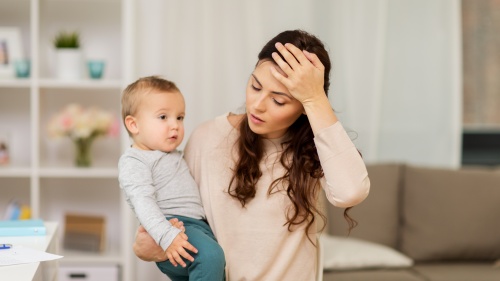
<point x="83" y="157"/>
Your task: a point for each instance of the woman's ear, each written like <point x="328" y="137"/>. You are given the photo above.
<point x="131" y="124"/>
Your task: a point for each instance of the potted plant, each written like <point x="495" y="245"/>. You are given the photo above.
<point x="69" y="58"/>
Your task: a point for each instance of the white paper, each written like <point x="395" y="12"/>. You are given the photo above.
<point x="20" y="255"/>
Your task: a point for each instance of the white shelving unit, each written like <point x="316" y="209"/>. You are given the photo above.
<point x="41" y="171"/>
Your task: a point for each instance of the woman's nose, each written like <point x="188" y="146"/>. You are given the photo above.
<point x="258" y="103"/>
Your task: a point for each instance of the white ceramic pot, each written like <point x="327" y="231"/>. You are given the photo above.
<point x="69" y="64"/>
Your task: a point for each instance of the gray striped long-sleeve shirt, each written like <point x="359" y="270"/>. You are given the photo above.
<point x="158" y="184"/>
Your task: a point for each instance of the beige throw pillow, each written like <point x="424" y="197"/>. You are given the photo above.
<point x="340" y="253"/>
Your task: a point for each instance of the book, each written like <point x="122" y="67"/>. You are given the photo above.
<point x="33" y="227"/>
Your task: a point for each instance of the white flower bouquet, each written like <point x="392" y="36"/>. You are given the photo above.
<point x="82" y="126"/>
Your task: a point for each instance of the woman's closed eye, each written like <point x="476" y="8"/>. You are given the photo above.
<point x="255" y="88"/>
<point x="278" y="103"/>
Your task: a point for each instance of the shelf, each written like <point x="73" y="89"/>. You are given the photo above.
<point x="14" y="172"/>
<point x="15" y="83"/>
<point x="81" y="84"/>
<point x="41" y="172"/>
<point x="79" y="172"/>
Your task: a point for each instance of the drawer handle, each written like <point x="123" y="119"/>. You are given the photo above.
<point x="78" y="275"/>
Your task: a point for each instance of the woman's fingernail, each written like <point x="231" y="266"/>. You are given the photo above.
<point x="278" y="44"/>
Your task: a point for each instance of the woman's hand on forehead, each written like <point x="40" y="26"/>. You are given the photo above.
<point x="304" y="72"/>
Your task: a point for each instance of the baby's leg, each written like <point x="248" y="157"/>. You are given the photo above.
<point x="209" y="263"/>
<point x="178" y="273"/>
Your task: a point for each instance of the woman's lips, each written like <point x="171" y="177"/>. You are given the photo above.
<point x="256" y="119"/>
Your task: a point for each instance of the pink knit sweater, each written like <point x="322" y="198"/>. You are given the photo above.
<point x="256" y="242"/>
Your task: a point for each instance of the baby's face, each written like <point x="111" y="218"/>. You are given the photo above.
<point x="160" y="121"/>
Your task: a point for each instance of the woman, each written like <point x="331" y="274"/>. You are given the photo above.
<point x="260" y="173"/>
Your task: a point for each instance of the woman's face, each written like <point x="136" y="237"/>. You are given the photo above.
<point x="271" y="109"/>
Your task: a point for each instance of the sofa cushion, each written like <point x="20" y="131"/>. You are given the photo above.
<point x="451" y="214"/>
<point x="378" y="214"/>
<point x="373" y="275"/>
<point x="459" y="272"/>
<point x="347" y="253"/>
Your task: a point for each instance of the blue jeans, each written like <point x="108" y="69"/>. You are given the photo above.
<point x="209" y="263"/>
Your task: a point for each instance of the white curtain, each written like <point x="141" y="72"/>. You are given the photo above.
<point x="396" y="78"/>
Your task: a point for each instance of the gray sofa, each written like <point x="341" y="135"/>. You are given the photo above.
<point x="446" y="222"/>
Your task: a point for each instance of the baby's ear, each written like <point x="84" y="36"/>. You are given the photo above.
<point x="131" y="124"/>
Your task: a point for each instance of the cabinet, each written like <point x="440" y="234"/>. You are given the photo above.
<point x="40" y="172"/>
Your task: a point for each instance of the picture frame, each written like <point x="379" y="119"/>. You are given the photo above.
<point x="10" y="50"/>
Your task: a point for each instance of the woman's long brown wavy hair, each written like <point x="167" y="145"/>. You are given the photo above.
<point x="299" y="158"/>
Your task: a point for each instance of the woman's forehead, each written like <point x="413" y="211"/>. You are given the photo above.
<point x="263" y="67"/>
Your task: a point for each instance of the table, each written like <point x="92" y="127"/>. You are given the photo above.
<point x="39" y="271"/>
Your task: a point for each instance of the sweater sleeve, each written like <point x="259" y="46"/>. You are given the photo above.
<point x="346" y="181"/>
<point x="136" y="181"/>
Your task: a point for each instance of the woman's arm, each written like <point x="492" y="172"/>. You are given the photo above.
<point x="145" y="246"/>
<point x="346" y="179"/>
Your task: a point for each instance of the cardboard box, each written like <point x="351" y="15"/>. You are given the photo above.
<point x="83" y="232"/>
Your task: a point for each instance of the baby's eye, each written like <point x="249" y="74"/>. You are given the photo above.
<point x="180" y="118"/>
<point x="163" y="117"/>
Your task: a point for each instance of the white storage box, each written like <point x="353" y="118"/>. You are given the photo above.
<point x="88" y="273"/>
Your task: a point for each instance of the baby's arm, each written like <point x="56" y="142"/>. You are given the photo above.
<point x="136" y="181"/>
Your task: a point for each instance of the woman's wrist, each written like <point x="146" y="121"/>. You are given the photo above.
<point x="320" y="113"/>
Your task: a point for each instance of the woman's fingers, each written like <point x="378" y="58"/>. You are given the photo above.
<point x="279" y="76"/>
<point x="285" y="67"/>
<point x="291" y="60"/>
<point x="297" y="53"/>
<point x="300" y="71"/>
<point x="313" y="58"/>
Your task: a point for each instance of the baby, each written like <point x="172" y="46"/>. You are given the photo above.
<point x="158" y="185"/>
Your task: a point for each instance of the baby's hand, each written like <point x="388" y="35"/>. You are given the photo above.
<point x="177" y="223"/>
<point x="178" y="248"/>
